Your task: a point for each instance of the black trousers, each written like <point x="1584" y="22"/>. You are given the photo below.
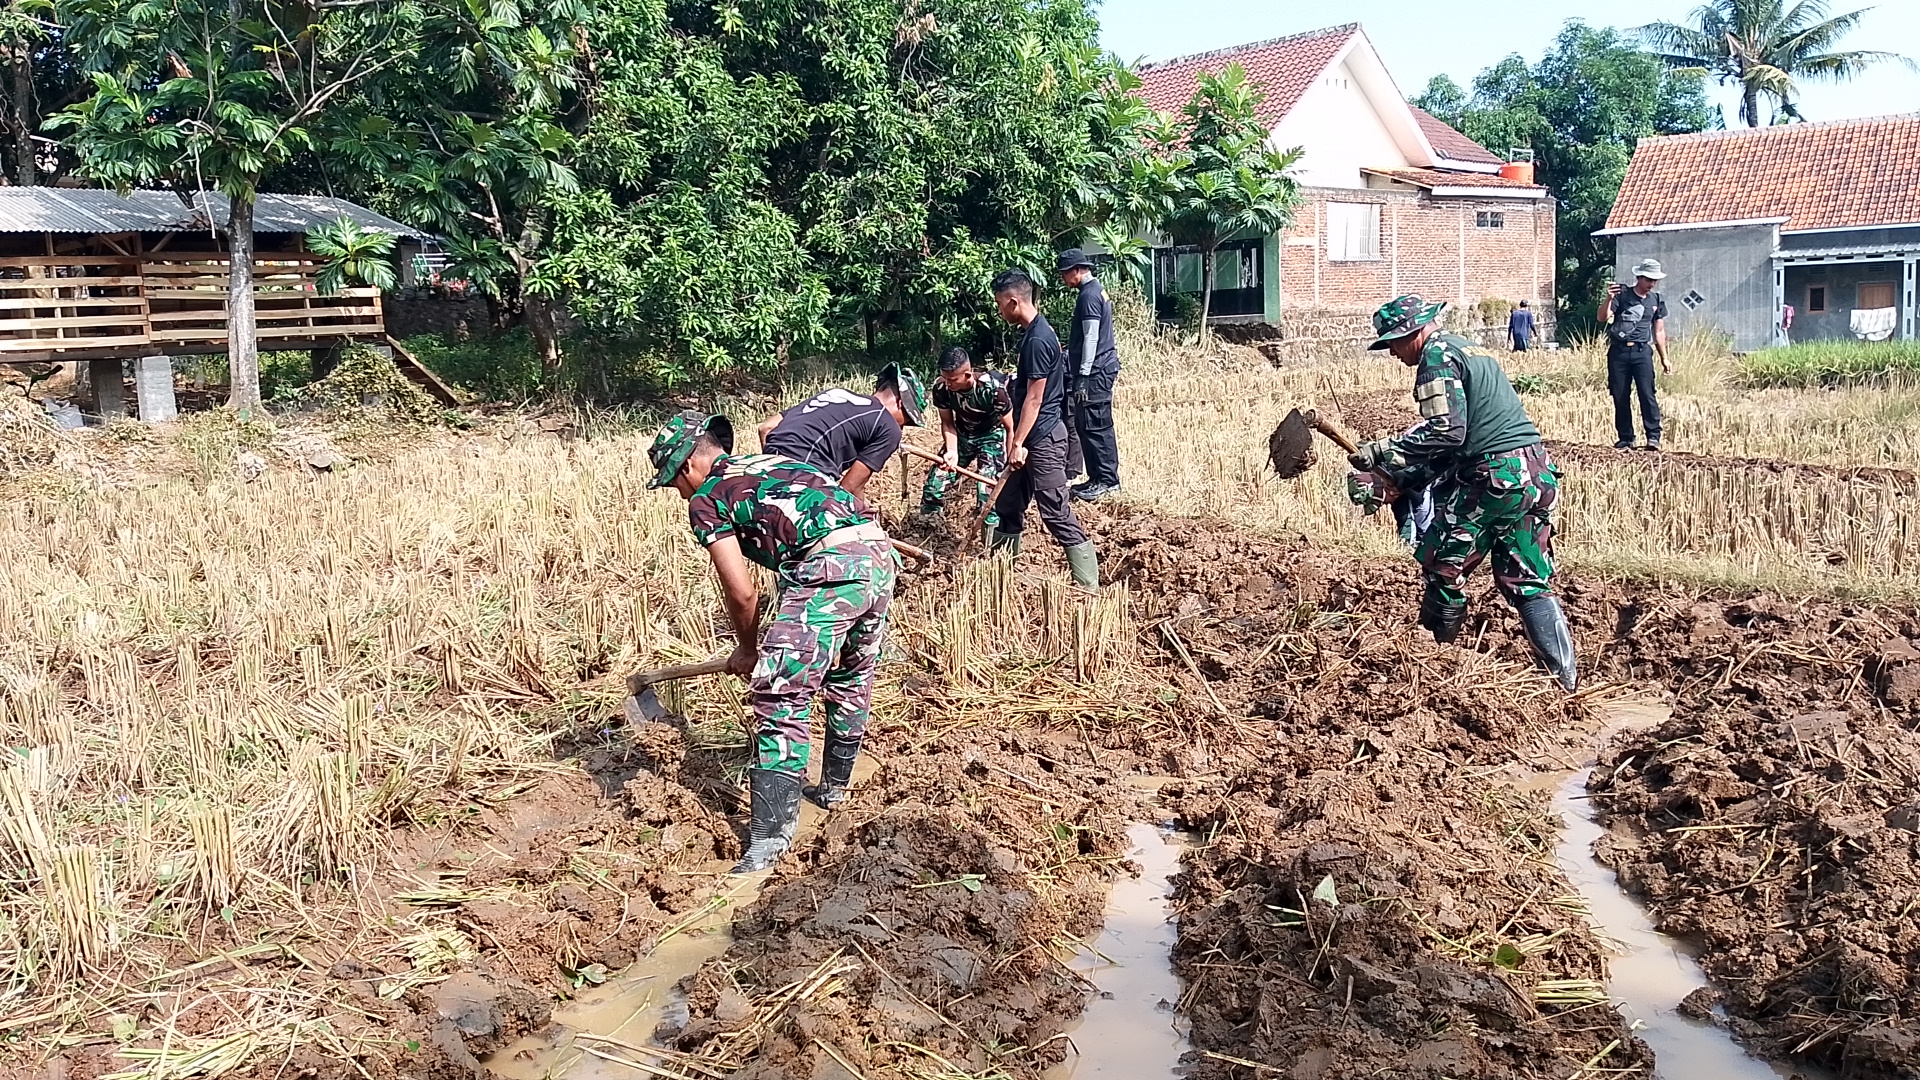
<point x="1630" y="375"/>
<point x="1042" y="481"/>
<point x="1093" y="428"/>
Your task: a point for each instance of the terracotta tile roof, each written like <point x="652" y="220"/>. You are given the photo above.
<point x="1448" y="142"/>
<point x="1284" y="67"/>
<point x="1831" y="175"/>
<point x="1432" y="178"/>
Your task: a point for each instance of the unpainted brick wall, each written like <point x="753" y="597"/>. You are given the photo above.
<point x="1430" y="246"/>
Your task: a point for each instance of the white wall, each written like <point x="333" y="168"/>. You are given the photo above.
<point x="1340" y="131"/>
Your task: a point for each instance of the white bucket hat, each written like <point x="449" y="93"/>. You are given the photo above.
<point x="1648" y="268"/>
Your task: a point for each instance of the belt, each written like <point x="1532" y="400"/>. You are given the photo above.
<point x="870" y="531"/>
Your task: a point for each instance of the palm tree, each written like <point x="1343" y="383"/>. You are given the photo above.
<point x="1764" y="46"/>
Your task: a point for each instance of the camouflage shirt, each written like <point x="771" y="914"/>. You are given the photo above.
<point x="775" y="506"/>
<point x="976" y="411"/>
<point x="1467" y="408"/>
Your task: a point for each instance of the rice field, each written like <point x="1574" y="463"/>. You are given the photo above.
<point x="224" y="685"/>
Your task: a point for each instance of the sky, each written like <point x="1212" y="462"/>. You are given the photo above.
<point x="1419" y="39"/>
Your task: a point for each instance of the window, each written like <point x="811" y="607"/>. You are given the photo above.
<point x="1489" y="219"/>
<point x="1353" y="232"/>
<point x="1693" y="300"/>
<point x="1816" y="298"/>
<point x="1876" y="294"/>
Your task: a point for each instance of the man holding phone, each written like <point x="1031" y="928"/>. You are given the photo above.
<point x="1636" y="320"/>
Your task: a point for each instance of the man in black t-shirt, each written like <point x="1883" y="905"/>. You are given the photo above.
<point x="1038" y="454"/>
<point x="846" y="435"/>
<point x="1095" y="364"/>
<point x="1636" y="320"/>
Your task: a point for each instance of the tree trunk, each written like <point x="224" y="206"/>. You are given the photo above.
<point x="869" y="321"/>
<point x="1206" y="295"/>
<point x="20" y="117"/>
<point x="1750" y="105"/>
<point x="243" y="338"/>
<point x="546" y="335"/>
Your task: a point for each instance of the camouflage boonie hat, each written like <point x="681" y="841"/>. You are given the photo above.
<point x="1402" y="316"/>
<point x="913" y="394"/>
<point x="674" y="442"/>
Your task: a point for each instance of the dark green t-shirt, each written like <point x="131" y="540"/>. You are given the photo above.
<point x="1467" y="407"/>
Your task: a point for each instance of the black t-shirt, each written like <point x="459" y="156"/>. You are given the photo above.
<point x="1634" y="316"/>
<point x="1040" y="358"/>
<point x="833" y="430"/>
<point x="1093" y="305"/>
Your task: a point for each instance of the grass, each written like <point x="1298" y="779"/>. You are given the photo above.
<point x="1832" y="363"/>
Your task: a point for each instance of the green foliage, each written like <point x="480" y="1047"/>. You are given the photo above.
<point x="1580" y="110"/>
<point x="354" y="254"/>
<point x="1224" y="181"/>
<point x="1765" y="47"/>
<point x="502" y="367"/>
<point x="1832" y="363"/>
<point x="366" y="382"/>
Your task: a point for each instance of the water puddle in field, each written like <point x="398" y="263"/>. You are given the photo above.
<point x="599" y="1032"/>
<point x="1129" y="1028"/>
<point x="606" y="1033"/>
<point x="1649" y="972"/>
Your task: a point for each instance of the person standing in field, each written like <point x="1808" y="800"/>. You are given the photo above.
<point x="1038" y="450"/>
<point x="1095" y="363"/>
<point x="836" y="571"/>
<point x="1520" y="327"/>
<point x="1494" y="483"/>
<point x="1636" y="322"/>
<point x="976" y="421"/>
<point x="849" y="436"/>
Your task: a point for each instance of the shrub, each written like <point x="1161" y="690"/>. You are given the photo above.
<point x="1832" y="363"/>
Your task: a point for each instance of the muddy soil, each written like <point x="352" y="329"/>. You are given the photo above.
<point x="1773" y="820"/>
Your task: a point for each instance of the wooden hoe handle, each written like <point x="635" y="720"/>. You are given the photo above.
<point x="1325" y="427"/>
<point x="909" y="448"/>
<point x="640" y="680"/>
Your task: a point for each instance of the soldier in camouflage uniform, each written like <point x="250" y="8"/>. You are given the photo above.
<point x="1494" y="483"/>
<point x="976" y="419"/>
<point x="835" y="569"/>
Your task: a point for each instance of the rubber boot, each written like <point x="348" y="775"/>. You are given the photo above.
<point x="1085" y="564"/>
<point x="1547" y="630"/>
<point x="836" y="774"/>
<point x="1444" y="619"/>
<point x="1004" y="541"/>
<point x="776" y="810"/>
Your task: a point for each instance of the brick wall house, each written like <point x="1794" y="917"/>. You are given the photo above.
<point x="1393" y="201"/>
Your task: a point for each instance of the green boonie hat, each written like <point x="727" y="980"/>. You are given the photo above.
<point x="913" y="393"/>
<point x="1402" y="316"/>
<point x="674" y="442"/>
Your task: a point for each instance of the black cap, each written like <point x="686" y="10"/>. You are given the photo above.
<point x="1071" y="258"/>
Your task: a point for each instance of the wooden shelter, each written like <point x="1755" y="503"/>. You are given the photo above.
<point x="95" y="275"/>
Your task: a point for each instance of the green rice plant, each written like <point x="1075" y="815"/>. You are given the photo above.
<point x="1832" y="363"/>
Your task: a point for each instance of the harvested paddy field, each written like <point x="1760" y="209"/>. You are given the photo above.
<point x="320" y="773"/>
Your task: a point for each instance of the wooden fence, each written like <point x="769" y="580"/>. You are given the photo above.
<point x="101" y="306"/>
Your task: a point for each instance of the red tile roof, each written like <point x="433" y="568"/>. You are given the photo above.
<point x="1433" y="178"/>
<point x="1448" y="142"/>
<point x="1284" y="67"/>
<point x="1831" y="175"/>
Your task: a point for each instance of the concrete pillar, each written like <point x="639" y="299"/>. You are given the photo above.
<point x="153" y="385"/>
<point x="109" y="396"/>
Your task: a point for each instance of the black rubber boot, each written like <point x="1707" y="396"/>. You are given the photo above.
<point x="1552" y="639"/>
<point x="776" y="810"/>
<point x="1444" y="619"/>
<point x="836" y="774"/>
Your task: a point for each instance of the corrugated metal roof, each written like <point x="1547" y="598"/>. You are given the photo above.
<point x="1866" y="253"/>
<point x="86" y="210"/>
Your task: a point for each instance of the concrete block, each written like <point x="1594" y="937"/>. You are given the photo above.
<point x="153" y="384"/>
<point x="109" y="396"/>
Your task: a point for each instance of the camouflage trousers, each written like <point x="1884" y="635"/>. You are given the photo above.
<point x="824" y="639"/>
<point x="984" y="454"/>
<point x="1502" y="505"/>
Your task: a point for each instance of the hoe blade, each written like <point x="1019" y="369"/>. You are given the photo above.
<point x="1290" y="447"/>
<point x="644" y="708"/>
